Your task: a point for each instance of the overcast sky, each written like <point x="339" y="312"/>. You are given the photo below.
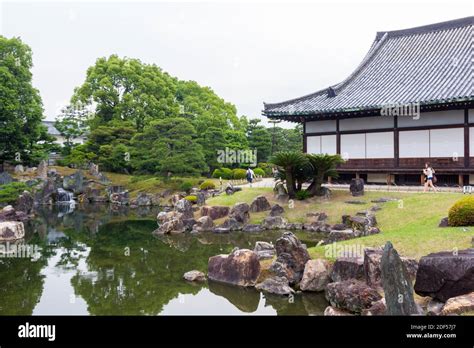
<point x="248" y="52"/>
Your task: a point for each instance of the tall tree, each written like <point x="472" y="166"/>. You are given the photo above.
<point x="21" y="109"/>
<point x="71" y="124"/>
<point x="259" y="138"/>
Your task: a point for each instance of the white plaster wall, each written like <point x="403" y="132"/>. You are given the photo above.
<point x="321" y="126"/>
<point x="366" y="123"/>
<point x="414" y="144"/>
<point x="379" y="145"/>
<point x="433" y="119"/>
<point x="329" y="144"/>
<point x="447" y="142"/>
<point x="353" y="146"/>
<point x="313" y="144"/>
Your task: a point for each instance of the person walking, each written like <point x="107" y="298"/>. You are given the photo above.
<point x="429" y="177"/>
<point x="250" y="176"/>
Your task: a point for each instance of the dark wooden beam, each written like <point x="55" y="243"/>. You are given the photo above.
<point x="466" y="138"/>
<point x="305" y="146"/>
<point x="396" y="142"/>
<point x="338" y="138"/>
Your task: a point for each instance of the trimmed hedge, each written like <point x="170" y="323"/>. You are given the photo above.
<point x="259" y="172"/>
<point x="224" y="173"/>
<point x="462" y="212"/>
<point x="239" y="173"/>
<point x="192" y="199"/>
<point x="207" y="185"/>
<point x="10" y="192"/>
<point x="186" y="186"/>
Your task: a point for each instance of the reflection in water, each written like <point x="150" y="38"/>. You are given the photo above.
<point x="104" y="260"/>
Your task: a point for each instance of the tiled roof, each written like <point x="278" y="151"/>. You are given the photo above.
<point x="51" y="129"/>
<point x="431" y="64"/>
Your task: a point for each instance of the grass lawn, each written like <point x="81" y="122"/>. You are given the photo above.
<point x="409" y="223"/>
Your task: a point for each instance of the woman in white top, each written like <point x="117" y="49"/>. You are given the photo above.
<point x="429" y="174"/>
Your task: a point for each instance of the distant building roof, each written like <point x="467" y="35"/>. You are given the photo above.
<point x="51" y="129"/>
<point x="431" y="64"/>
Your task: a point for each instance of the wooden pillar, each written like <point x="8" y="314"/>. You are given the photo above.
<point x="466" y="138"/>
<point x="305" y="147"/>
<point x="357" y="175"/>
<point x="422" y="179"/>
<point x="389" y="179"/>
<point x="461" y="180"/>
<point x="396" y="143"/>
<point x="338" y="138"/>
<point x="329" y="180"/>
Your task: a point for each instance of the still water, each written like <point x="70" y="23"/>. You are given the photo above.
<point x="104" y="260"/>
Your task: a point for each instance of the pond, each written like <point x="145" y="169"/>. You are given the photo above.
<point x="104" y="260"/>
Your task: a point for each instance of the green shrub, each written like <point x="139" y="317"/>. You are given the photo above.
<point x="302" y="195"/>
<point x="192" y="199"/>
<point x="462" y="212"/>
<point x="10" y="192"/>
<point x="207" y="185"/>
<point x="224" y="173"/>
<point x="186" y="186"/>
<point x="267" y="168"/>
<point x="239" y="173"/>
<point x="259" y="172"/>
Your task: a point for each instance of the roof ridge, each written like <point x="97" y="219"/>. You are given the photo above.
<point x="454" y="23"/>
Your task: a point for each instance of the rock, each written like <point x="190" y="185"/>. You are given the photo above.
<point x="173" y="226"/>
<point x="294" y="226"/>
<point x="42" y="171"/>
<point x="291" y="258"/>
<point x="144" y="200"/>
<point x="346" y="268"/>
<point x="459" y="304"/>
<point x="338" y="235"/>
<point x="445" y="274"/>
<point x="434" y="307"/>
<point x="333" y="311"/>
<point x="346" y="220"/>
<point x="232" y="224"/>
<point x="352" y="295"/>
<point x="338" y="227"/>
<point x="372" y="268"/>
<point x="274" y="223"/>
<point x="201" y="198"/>
<point x="215" y="212"/>
<point x="8" y="213"/>
<point x="377" y="308"/>
<point x="221" y="229"/>
<point x="383" y="200"/>
<point x="46" y="192"/>
<point x="260" y="203"/>
<point x="357" y="187"/>
<point x="375" y="208"/>
<point x="121" y="198"/>
<point x="25" y="202"/>
<point x="444" y="222"/>
<point x="11" y="230"/>
<point x="354" y="202"/>
<point x="280" y="192"/>
<point x="74" y="182"/>
<point x="252" y="228"/>
<point x="396" y="284"/>
<point x="5" y="178"/>
<point x="317" y="226"/>
<point x="264" y="250"/>
<point x="203" y="224"/>
<point x="194" y="276"/>
<point x="277" y="210"/>
<point x="315" y="275"/>
<point x="275" y="285"/>
<point x="320" y="216"/>
<point x="103" y="179"/>
<point x="240" y="212"/>
<point x="184" y="207"/>
<point x="19" y="169"/>
<point x="189" y="224"/>
<point x="241" y="267"/>
<point x="230" y="189"/>
<point x="94" y="169"/>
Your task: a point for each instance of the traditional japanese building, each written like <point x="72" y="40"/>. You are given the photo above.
<point x="410" y="101"/>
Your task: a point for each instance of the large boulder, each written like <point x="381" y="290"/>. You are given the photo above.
<point x="74" y="182"/>
<point x="252" y="228"/>
<point x="240" y="212"/>
<point x="264" y="250"/>
<point x="346" y="268"/>
<point x="42" y="170"/>
<point x="275" y="285"/>
<point x="377" y="308"/>
<point x="334" y="311"/>
<point x="280" y="191"/>
<point x="215" y="212"/>
<point x="445" y="274"/>
<point x="11" y="230"/>
<point x="241" y="267"/>
<point x="203" y="224"/>
<point x="9" y="213"/>
<point x="459" y="304"/>
<point x="396" y="283"/>
<point x="46" y="192"/>
<point x="25" y="202"/>
<point x="5" y="178"/>
<point x="274" y="223"/>
<point x="372" y="268"/>
<point x="144" y="200"/>
<point x="184" y="207"/>
<point x="357" y="187"/>
<point x="232" y="224"/>
<point x="277" y="210"/>
<point x="291" y="259"/>
<point x="259" y="204"/>
<point x="19" y="169"/>
<point x="120" y="198"/>
<point x="94" y="169"/>
<point x="317" y="226"/>
<point x="352" y="295"/>
<point x="172" y="226"/>
<point x="315" y="275"/>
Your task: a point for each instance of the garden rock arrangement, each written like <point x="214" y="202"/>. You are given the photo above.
<point x="194" y="276"/>
<point x="357" y="187"/>
<point x="11" y="230"/>
<point x="447" y="274"/>
<point x="241" y="267"/>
